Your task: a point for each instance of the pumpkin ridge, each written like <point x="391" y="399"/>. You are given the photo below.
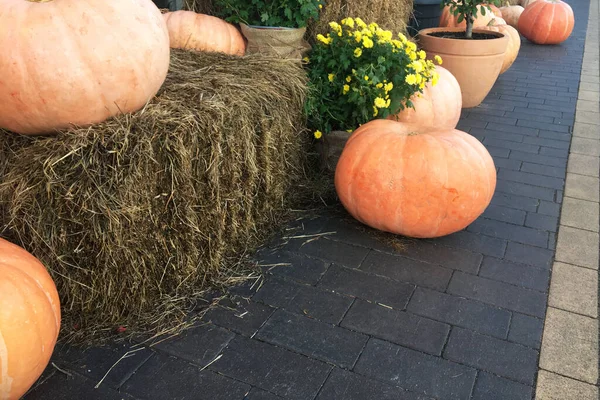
<point x="548" y="31"/>
<point x="5" y="379"/>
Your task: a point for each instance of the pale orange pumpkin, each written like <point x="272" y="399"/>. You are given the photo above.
<point x="29" y="320"/>
<point x="191" y="31"/>
<point x="438" y="106"/>
<point x="451" y="21"/>
<point x="511" y="15"/>
<point x="417" y="183"/>
<point x="78" y="62"/>
<point x="514" y="41"/>
<point x="547" y="22"/>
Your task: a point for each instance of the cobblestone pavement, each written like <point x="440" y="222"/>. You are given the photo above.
<point x="349" y="316"/>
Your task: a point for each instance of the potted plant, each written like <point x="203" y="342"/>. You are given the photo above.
<point x="474" y="56"/>
<point x="272" y="27"/>
<point x="426" y="14"/>
<point x="358" y="73"/>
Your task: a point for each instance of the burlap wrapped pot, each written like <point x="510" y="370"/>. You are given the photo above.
<point x="282" y="42"/>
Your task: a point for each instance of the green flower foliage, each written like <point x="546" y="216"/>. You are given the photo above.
<point x="282" y="13"/>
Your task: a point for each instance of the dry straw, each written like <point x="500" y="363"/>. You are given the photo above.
<point x="138" y="216"/>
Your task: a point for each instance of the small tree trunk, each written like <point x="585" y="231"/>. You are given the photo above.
<point x="469" y="33"/>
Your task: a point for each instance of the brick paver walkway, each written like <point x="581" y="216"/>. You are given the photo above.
<point x="345" y="315"/>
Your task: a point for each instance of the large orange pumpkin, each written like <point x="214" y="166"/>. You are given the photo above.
<point x="418" y="183"/>
<point x="438" y="106"/>
<point x="78" y="62"/>
<point x="451" y="21"/>
<point x="514" y="43"/>
<point x="547" y="22"/>
<point x="191" y="31"/>
<point x="29" y="320"/>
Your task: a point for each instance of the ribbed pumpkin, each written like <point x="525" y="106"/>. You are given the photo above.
<point x="451" y="21"/>
<point x="191" y="31"/>
<point x="511" y="15"/>
<point x="417" y="183"/>
<point x="29" y="320"/>
<point x="514" y="42"/>
<point x="547" y="22"/>
<point x="78" y="62"/>
<point x="438" y="106"/>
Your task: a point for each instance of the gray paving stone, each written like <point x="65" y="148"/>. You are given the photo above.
<point x="198" y="345"/>
<point x="398" y="327"/>
<point x="473" y="242"/>
<point x="581" y="214"/>
<point x="449" y="257"/>
<point x="293" y="265"/>
<point x="532" y="179"/>
<point x="537" y="159"/>
<point x="515" y="201"/>
<point x="459" y="311"/>
<point x="491" y="134"/>
<point x="515" y="273"/>
<point x="258" y="394"/>
<point x="407" y="270"/>
<point x="546" y="142"/>
<point x="508" y="163"/>
<point x="555" y="387"/>
<point x="526" y="330"/>
<point x="566" y="137"/>
<point x="511" y="232"/>
<point x="331" y="250"/>
<point x="549" y="208"/>
<point x="164" y="377"/>
<point x="312" y="338"/>
<point x="542" y="125"/>
<point x="574" y="289"/>
<point x="558" y="153"/>
<point x="505" y="214"/>
<point x="506" y="359"/>
<point x="239" y="315"/>
<point x="274" y="369"/>
<point x="523" y="189"/>
<point x="542" y="222"/>
<point x="511" y="145"/>
<point x="306" y="300"/>
<point x="583" y="165"/>
<point x="531" y="255"/>
<point x="95" y="362"/>
<point x="581" y="129"/>
<point x="345" y="385"/>
<point x="539" y="169"/>
<point x="367" y="286"/>
<point x="59" y="385"/>
<point x="589" y="147"/>
<point x="416" y="371"/>
<point x="499" y="294"/>
<point x="492" y="387"/>
<point x="577" y="247"/>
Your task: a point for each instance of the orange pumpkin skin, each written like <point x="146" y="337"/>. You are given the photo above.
<point x="29" y="320"/>
<point x="511" y="15"/>
<point x="451" y="21"/>
<point x="438" y="107"/>
<point x="514" y="43"/>
<point x="419" y="184"/>
<point x="191" y="31"/>
<point x="547" y="22"/>
<point x="78" y="62"/>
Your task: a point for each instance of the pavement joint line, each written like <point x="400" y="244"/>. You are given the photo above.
<point x="588" y="77"/>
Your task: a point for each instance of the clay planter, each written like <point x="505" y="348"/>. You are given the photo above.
<point x="475" y="64"/>
<point x="330" y="149"/>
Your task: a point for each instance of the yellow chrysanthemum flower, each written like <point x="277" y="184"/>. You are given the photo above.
<point x="384" y="36"/>
<point x="422" y="85"/>
<point x="435" y="77"/>
<point x="397" y="43"/>
<point x="422" y="55"/>
<point x="388" y="87"/>
<point x="379" y="85"/>
<point x="335" y="26"/>
<point x="380" y="103"/>
<point x="367" y="43"/>
<point x="358" y="36"/>
<point x="402" y="38"/>
<point x="360" y="23"/>
<point x="412" y="55"/>
<point x="373" y="27"/>
<point x="357" y="52"/>
<point x="411" y="79"/>
<point x="346" y="89"/>
<point x="306" y="59"/>
<point x="411" y="46"/>
<point x="438" y="59"/>
<point x="417" y="66"/>
<point x="321" y="38"/>
<point x="331" y="77"/>
<point x="320" y="6"/>
<point x="348" y="22"/>
<point x="366" y="77"/>
<point x="318" y="134"/>
<point x="348" y="79"/>
<point x="375" y="111"/>
<point x="387" y="103"/>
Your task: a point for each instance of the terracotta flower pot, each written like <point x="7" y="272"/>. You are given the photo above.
<point x="475" y="64"/>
